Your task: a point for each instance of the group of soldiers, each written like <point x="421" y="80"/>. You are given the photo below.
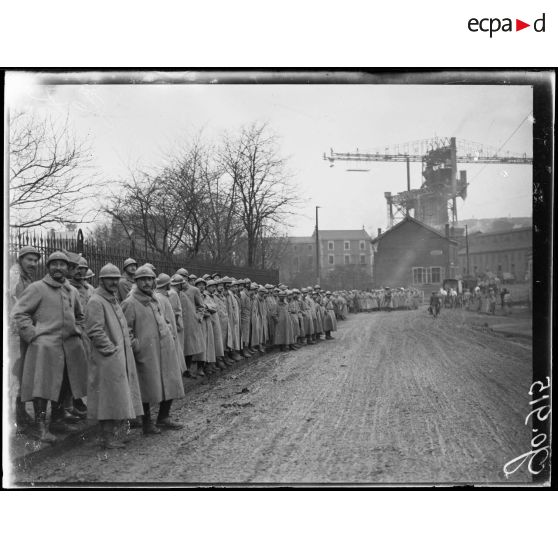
<point x="126" y="345"/>
<point x="384" y="299"/>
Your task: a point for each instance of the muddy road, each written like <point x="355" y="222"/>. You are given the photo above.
<point x="395" y="398"/>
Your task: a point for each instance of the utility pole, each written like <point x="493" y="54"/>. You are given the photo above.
<point x="467" y="248"/>
<point x="317" y="249"/>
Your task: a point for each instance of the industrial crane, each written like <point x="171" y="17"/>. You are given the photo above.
<point x="441" y="187"/>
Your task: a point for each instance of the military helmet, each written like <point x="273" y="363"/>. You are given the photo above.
<point x="82" y="262"/>
<point x="211" y="283"/>
<point x="182" y="271"/>
<point x="177" y="279"/>
<point x="28" y="250"/>
<point x="129" y="261"/>
<point x="226" y="279"/>
<point x="55" y="256"/>
<point x="144" y="271"/>
<point x="192" y="276"/>
<point x="109" y="271"/>
<point x="89" y="273"/>
<point x="163" y="280"/>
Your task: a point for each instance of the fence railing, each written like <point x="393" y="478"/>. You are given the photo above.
<point x="98" y="254"/>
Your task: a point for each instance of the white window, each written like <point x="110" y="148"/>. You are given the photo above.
<point x="347" y="245"/>
<point x="361" y="245"/>
<point x="419" y="275"/>
<point x="330" y="245"/>
<point x="330" y="259"/>
<point x="435" y="275"/>
<point x="362" y="259"/>
<point x="347" y="259"/>
<point x="310" y="247"/>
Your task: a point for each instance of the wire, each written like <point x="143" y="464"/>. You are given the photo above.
<point x="502" y="146"/>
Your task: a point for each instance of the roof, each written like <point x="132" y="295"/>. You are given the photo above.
<point x="301" y="239"/>
<point x="408" y="218"/>
<point x="502" y="232"/>
<point x="355" y="234"/>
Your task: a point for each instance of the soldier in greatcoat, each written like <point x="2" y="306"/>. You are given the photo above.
<point x="22" y="274"/>
<point x="245" y="318"/>
<point x="233" y="313"/>
<point x="49" y="318"/>
<point x="174" y="298"/>
<point x="127" y="280"/>
<point x="193" y="309"/>
<point x="220" y="298"/>
<point x="330" y="321"/>
<point x="113" y="394"/>
<point x="212" y="307"/>
<point x="270" y="303"/>
<point x="256" y="326"/>
<point x="163" y="295"/>
<point x="154" y="349"/>
<point x="206" y="359"/>
<point x="284" y="335"/>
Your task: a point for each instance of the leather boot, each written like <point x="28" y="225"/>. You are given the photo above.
<point x="237" y="356"/>
<point x="261" y="349"/>
<point x="246" y="353"/>
<point x="41" y="429"/>
<point x="220" y="364"/>
<point x="57" y="422"/>
<point x="108" y="439"/>
<point x="23" y="418"/>
<point x="148" y="426"/>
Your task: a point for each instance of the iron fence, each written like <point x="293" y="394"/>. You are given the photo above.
<point x="98" y="253"/>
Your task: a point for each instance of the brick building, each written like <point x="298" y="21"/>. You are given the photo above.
<point x="414" y="254"/>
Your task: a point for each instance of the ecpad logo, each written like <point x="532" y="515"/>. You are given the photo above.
<point x="494" y="24"/>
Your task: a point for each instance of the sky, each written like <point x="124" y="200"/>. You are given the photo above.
<point x="138" y="124"/>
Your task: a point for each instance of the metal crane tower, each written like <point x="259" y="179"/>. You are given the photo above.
<point x="442" y="186"/>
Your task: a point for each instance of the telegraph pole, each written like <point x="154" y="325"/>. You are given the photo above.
<point x="467" y="248"/>
<point x="317" y="249"/>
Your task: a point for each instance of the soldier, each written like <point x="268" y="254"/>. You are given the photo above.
<point x="435" y="304"/>
<point x="271" y="304"/>
<point x="192" y="315"/>
<point x="127" y="280"/>
<point x="162" y="294"/>
<point x="22" y="274"/>
<point x="212" y="307"/>
<point x="284" y="335"/>
<point x="158" y="369"/>
<point x="174" y="298"/>
<point x="206" y="358"/>
<point x="330" y="322"/>
<point x="88" y="278"/>
<point x="49" y="317"/>
<point x="233" y="313"/>
<point x="113" y="394"/>
<point x="220" y="299"/>
<point x="245" y="315"/>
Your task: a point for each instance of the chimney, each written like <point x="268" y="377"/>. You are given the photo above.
<point x="379" y="231"/>
<point x="447" y="230"/>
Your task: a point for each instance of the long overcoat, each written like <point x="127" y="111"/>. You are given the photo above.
<point x="49" y="318"/>
<point x="113" y="392"/>
<point x="330" y="321"/>
<point x="256" y="323"/>
<point x="125" y="285"/>
<point x="158" y="369"/>
<point x="271" y="306"/>
<point x="18" y="282"/>
<point x="84" y="295"/>
<point x="245" y="313"/>
<point x="283" y="330"/>
<point x="174" y="299"/>
<point x="294" y="309"/>
<point x="192" y="316"/>
<point x="233" y="312"/>
<point x="226" y="333"/>
<point x="211" y="306"/>
<point x="164" y="300"/>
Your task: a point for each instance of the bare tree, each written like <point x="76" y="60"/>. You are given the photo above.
<point x="259" y="177"/>
<point x="50" y="173"/>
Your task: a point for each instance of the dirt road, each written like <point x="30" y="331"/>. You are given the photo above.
<point x="395" y="398"/>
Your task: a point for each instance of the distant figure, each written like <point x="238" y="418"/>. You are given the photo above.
<point x="435" y="304"/>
